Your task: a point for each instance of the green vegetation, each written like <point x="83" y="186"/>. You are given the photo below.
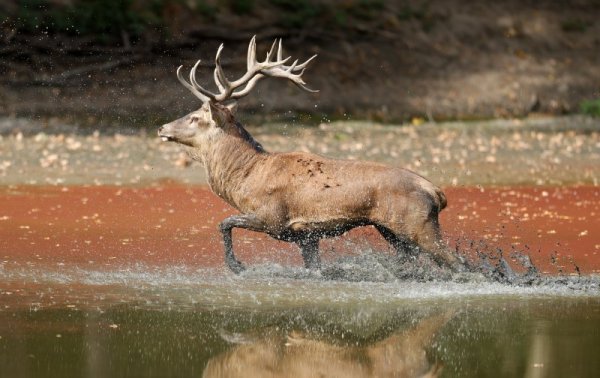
<point x="591" y="107"/>
<point x="297" y="13"/>
<point x="422" y="14"/>
<point x="206" y="9"/>
<point x="341" y="15"/>
<point x="366" y="9"/>
<point x="241" y="6"/>
<point x="105" y="20"/>
<point x="109" y="21"/>
<point x="575" y="26"/>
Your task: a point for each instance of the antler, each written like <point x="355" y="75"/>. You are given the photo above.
<point x="228" y="90"/>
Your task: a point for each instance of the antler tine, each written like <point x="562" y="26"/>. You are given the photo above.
<point x="298" y="67"/>
<point x="219" y="75"/>
<point x="294" y="78"/>
<point x="193" y="75"/>
<point x="280" y="55"/>
<point x="256" y="68"/>
<point x="248" y="87"/>
<point x="279" y="50"/>
<point x="305" y="64"/>
<point x="197" y="86"/>
<point x="251" y="59"/>
<point x="303" y="86"/>
<point x="288" y="72"/>
<point x="189" y="86"/>
<point x="292" y="67"/>
<point x="270" y="52"/>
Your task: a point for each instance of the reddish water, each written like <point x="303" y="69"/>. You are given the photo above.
<point x="105" y="227"/>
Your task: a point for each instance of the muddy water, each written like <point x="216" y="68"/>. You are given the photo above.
<point x="110" y="227"/>
<point x="112" y="281"/>
<point x="278" y="328"/>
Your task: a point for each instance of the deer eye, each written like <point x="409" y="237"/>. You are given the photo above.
<point x="194" y="119"/>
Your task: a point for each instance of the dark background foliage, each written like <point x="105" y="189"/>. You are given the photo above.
<point x="384" y="60"/>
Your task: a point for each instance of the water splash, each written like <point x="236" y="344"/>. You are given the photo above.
<point x="366" y="279"/>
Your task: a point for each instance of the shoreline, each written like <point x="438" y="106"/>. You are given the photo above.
<point x="534" y="152"/>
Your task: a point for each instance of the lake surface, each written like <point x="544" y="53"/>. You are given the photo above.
<point x="180" y="323"/>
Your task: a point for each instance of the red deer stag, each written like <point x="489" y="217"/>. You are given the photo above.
<point x="300" y="197"/>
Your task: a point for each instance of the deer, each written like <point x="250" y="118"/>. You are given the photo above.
<point x="300" y="197"/>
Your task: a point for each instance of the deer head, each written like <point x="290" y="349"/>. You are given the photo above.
<point x="218" y="108"/>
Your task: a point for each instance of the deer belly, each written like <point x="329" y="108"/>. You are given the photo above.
<point x="325" y="228"/>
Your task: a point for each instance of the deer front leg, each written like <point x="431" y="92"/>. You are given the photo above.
<point x="310" y="253"/>
<point x="249" y="222"/>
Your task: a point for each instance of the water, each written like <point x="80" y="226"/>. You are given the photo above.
<point x="177" y="321"/>
<point x="112" y="281"/>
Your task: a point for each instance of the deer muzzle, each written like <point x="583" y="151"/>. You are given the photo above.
<point x="165" y="135"/>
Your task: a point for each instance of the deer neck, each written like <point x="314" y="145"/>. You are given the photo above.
<point x="229" y="156"/>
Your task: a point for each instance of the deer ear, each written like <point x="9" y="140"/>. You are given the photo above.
<point x="233" y="107"/>
<point x="206" y="114"/>
<point x="217" y="114"/>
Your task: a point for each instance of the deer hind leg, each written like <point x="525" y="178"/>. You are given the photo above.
<point x="417" y="235"/>
<point x="310" y="252"/>
<point x="401" y="244"/>
<point x="430" y="239"/>
<point x="249" y="222"/>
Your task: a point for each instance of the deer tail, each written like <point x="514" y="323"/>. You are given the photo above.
<point x="442" y="198"/>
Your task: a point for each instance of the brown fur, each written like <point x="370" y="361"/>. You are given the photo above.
<point x="303" y="197"/>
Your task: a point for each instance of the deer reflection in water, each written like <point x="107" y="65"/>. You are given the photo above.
<point x="401" y="354"/>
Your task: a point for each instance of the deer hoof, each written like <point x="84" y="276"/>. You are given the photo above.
<point x="236" y="266"/>
<point x="314" y="267"/>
